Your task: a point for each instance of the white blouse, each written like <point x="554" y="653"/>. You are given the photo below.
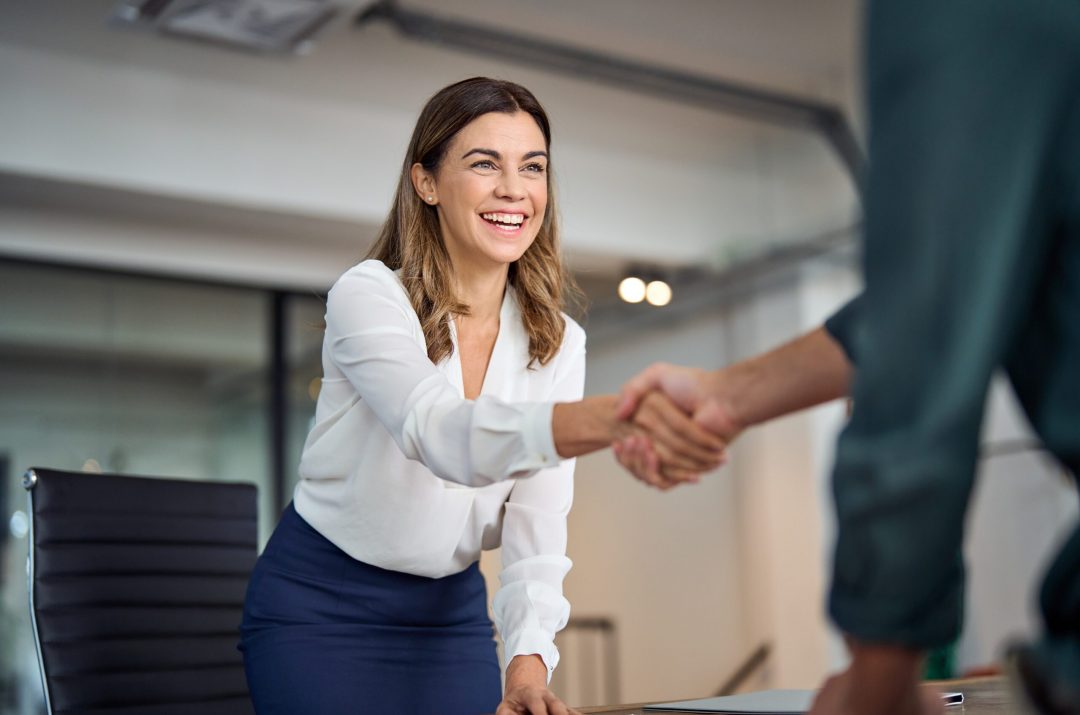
<point x="402" y="472"/>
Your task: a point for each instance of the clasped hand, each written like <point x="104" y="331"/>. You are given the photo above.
<point x="674" y="426"/>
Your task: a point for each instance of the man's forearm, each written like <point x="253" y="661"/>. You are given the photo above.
<point x="807" y="371"/>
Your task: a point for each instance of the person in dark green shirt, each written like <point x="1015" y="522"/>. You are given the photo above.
<point x="972" y="265"/>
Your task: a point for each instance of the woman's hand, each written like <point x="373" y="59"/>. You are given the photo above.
<point x="527" y="692"/>
<point x="533" y="700"/>
<point x="679" y="449"/>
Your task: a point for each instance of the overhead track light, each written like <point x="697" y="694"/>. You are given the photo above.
<point x="658" y="293"/>
<point x="632" y="289"/>
<point x="645" y="284"/>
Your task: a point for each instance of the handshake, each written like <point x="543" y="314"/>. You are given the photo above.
<point x="670" y="424"/>
<point x="673" y="424"/>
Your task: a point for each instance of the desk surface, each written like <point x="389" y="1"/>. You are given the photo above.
<point x="982" y="696"/>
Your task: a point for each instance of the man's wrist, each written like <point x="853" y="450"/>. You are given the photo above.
<point x="731" y="388"/>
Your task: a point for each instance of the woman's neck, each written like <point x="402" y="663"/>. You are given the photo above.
<point x="482" y="291"/>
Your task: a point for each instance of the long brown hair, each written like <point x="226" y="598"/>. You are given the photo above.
<point x="410" y="238"/>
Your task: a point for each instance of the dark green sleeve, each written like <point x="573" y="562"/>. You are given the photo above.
<point x="956" y="240"/>
<point x="841" y="325"/>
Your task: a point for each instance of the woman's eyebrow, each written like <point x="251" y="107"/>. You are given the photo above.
<point x="496" y="155"/>
<point x="486" y="152"/>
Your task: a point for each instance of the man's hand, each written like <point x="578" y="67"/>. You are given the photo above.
<point x="881" y="680"/>
<point x="697" y="392"/>
<point x="527" y="692"/>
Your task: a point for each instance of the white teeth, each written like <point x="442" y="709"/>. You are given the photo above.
<point x="512" y="219"/>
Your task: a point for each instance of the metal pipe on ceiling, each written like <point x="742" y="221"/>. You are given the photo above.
<point x="719" y="95"/>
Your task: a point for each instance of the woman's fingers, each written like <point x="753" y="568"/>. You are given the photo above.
<point x="533" y="700"/>
<point x="555" y="706"/>
<point x="684" y="424"/>
<point x="635" y="454"/>
<point x="536" y="703"/>
<point x="680" y="442"/>
<point x="681" y="475"/>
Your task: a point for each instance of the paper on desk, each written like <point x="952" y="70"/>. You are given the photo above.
<point x="772" y="702"/>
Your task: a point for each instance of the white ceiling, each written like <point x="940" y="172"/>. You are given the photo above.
<point x="803" y="46"/>
<point x="763" y="183"/>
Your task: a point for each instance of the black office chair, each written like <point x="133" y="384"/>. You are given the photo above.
<point x="136" y="592"/>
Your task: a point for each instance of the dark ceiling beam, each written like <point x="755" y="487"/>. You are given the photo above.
<point x="719" y="95"/>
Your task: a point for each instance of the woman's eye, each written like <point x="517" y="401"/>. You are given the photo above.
<point x="536" y="168"/>
<point x="483" y="165"/>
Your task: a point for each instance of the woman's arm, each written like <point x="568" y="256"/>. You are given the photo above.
<point x="373" y="338"/>
<point x="529" y="607"/>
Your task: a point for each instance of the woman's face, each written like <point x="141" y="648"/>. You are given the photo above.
<point x="490" y="189"/>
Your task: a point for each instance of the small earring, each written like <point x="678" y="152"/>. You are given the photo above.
<point x="430" y="199"/>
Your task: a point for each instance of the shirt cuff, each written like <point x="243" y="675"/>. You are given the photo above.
<point x="842" y="327"/>
<point x="538" y="435"/>
<point x="533" y="642"/>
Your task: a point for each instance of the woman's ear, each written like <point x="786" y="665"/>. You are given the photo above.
<point x="424" y="183"/>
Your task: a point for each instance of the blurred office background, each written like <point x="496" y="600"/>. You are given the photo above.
<point x="172" y="212"/>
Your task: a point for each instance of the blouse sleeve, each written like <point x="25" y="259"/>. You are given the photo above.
<point x="371" y="338"/>
<point x="529" y="607"/>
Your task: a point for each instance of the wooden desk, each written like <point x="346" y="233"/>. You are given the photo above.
<point x="982" y="696"/>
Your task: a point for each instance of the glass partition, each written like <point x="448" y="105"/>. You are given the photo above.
<point x="136" y="375"/>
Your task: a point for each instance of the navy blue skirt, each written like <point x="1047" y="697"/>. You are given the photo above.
<point x="324" y="633"/>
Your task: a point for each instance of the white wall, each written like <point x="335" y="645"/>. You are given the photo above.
<point x="664" y="566"/>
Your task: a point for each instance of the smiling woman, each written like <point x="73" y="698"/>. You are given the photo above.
<point x="481" y="148"/>
<point x="451" y="406"/>
<point x="488" y="195"/>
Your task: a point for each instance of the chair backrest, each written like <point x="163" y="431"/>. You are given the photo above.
<point x="136" y="592"/>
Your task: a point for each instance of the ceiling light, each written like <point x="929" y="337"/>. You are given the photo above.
<point x="658" y="293"/>
<point x="259" y="25"/>
<point x="632" y="289"/>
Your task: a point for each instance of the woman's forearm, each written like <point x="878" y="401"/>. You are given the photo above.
<point x="582" y="427"/>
